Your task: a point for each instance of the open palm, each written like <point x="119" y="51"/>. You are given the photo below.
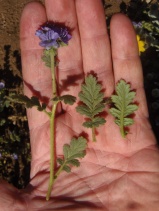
<point x="116" y="174"/>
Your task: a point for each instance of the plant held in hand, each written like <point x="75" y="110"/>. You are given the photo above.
<point x="53" y="36"/>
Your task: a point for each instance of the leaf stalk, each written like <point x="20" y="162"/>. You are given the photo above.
<point x="93" y="135"/>
<point x="60" y="170"/>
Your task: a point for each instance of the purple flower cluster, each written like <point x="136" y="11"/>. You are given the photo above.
<point x="52" y="35"/>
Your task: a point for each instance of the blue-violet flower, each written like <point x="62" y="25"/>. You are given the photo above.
<point x="52" y="35"/>
<point x="2" y="85"/>
<point x="15" y="156"/>
<point x="137" y="25"/>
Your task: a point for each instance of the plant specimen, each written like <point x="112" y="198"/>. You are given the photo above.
<point x="75" y="150"/>
<point x="52" y="37"/>
<point x="124" y="106"/>
<point x="92" y="98"/>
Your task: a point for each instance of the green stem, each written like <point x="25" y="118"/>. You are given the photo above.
<point x="59" y="170"/>
<point x="122" y="123"/>
<point x="52" y="150"/>
<point x="52" y="57"/>
<point x="47" y="113"/>
<point x="52" y="128"/>
<point x="93" y="134"/>
<point x="122" y="131"/>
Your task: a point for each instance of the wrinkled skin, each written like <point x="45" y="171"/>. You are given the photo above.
<point x="116" y="174"/>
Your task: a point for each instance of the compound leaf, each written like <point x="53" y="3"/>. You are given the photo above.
<point x="28" y="102"/>
<point x="72" y="153"/>
<point x="123" y="102"/>
<point x="92" y="97"/>
<point x="76" y="149"/>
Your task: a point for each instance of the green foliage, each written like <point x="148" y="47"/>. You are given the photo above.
<point x="3" y="101"/>
<point x="72" y="153"/>
<point x="93" y="102"/>
<point x="68" y="99"/>
<point x="13" y="136"/>
<point x="2" y="121"/>
<point x="14" y="132"/>
<point x="153" y="25"/>
<point x="123" y="106"/>
<point x="29" y="102"/>
<point x="46" y="57"/>
<point x="148" y="28"/>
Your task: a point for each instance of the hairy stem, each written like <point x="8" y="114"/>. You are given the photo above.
<point x="122" y="125"/>
<point x="52" y="57"/>
<point x="52" y="128"/>
<point x="52" y="150"/>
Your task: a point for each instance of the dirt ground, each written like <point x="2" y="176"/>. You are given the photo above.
<point x="10" y="12"/>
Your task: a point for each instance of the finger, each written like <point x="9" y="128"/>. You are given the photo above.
<point x="95" y="41"/>
<point x="126" y="61"/>
<point x="37" y="78"/>
<point x="70" y="61"/>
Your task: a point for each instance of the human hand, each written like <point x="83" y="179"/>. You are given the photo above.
<point x="116" y="174"/>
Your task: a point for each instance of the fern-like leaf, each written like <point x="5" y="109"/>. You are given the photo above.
<point x="72" y="153"/>
<point x="123" y="106"/>
<point x="67" y="99"/>
<point x="28" y="102"/>
<point x="93" y="103"/>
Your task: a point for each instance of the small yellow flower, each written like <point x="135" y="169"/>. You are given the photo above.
<point x="141" y="44"/>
